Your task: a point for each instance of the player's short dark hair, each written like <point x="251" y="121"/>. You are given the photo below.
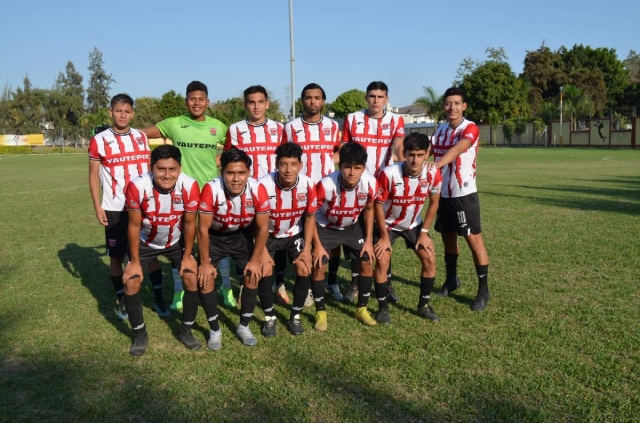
<point x="197" y="86"/>
<point x="313" y="86"/>
<point x="378" y="85"/>
<point x="166" y="151"/>
<point x="416" y="141"/>
<point x="353" y="153"/>
<point x="234" y="155"/>
<point x="288" y="149"/>
<point x="255" y="89"/>
<point x="454" y="91"/>
<point x="121" y="98"/>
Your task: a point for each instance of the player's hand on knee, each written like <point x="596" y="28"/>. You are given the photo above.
<point x="304" y="260"/>
<point x="425" y="243"/>
<point x="253" y="271"/>
<point x="383" y="245"/>
<point x="207" y="274"/>
<point x="188" y="264"/>
<point x="132" y="271"/>
<point x="319" y="257"/>
<point x="367" y="254"/>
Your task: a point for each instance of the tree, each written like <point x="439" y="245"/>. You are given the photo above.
<point x="27" y="115"/>
<point x="171" y="104"/>
<point x="544" y="70"/>
<point x="274" y="111"/>
<point x="6" y="108"/>
<point x="578" y="104"/>
<point x="432" y="104"/>
<point x="229" y="111"/>
<point x="508" y="128"/>
<point x="493" y="118"/>
<point x="65" y="106"/>
<point x="349" y="102"/>
<point x="147" y="112"/>
<point x="520" y="127"/>
<point x="99" y="83"/>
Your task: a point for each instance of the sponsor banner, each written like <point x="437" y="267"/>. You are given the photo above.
<point x="30" y="139"/>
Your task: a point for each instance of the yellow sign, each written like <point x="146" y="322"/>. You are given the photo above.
<point x="31" y="139"/>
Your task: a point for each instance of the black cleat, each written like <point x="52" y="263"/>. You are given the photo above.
<point x="383" y="316"/>
<point x="269" y="327"/>
<point x="189" y="341"/>
<point x="295" y="326"/>
<point x="351" y="295"/>
<point x="140" y="343"/>
<point x="481" y="301"/>
<point x="448" y="287"/>
<point x="392" y="297"/>
<point x="428" y="313"/>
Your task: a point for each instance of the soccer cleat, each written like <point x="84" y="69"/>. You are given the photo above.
<point x="246" y="336"/>
<point x="215" y="340"/>
<point x="363" y="316"/>
<point x="448" y="287"/>
<point x="176" y="304"/>
<point x="161" y="309"/>
<point x="140" y="342"/>
<point x="481" y="301"/>
<point x="281" y="295"/>
<point x="391" y="296"/>
<point x="335" y="294"/>
<point x="351" y="295"/>
<point x="295" y="326"/>
<point x="269" y="327"/>
<point x="187" y="338"/>
<point x="383" y="316"/>
<point x="121" y="311"/>
<point x="321" y="324"/>
<point x="227" y="296"/>
<point x="308" y="302"/>
<point x="428" y="313"/>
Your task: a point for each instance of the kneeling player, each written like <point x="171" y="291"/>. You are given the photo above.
<point x="162" y="207"/>
<point x="228" y="206"/>
<point x="291" y="199"/>
<point x="404" y="187"/>
<point x="342" y="197"/>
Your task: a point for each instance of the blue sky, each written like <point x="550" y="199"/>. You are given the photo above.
<point x="151" y="47"/>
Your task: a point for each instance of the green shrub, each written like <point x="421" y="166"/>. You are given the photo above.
<point x="15" y="149"/>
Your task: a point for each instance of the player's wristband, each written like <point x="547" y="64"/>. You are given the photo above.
<point x="426" y="231"/>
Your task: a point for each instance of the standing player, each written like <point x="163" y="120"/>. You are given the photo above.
<point x="162" y="207"/>
<point x="318" y="137"/>
<point x="291" y="199"/>
<point x="404" y="188"/>
<point x="116" y="156"/>
<point x="380" y="133"/>
<point x="228" y="206"/>
<point x="455" y="149"/>
<point x="259" y="136"/>
<point x="345" y="206"/>
<point x="197" y="136"/>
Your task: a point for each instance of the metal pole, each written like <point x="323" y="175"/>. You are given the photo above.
<point x="292" y="61"/>
<point x="561" y="90"/>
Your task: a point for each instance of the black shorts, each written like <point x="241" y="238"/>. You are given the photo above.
<point x="350" y="238"/>
<point x="461" y="215"/>
<point x="293" y="246"/>
<point x="237" y="244"/>
<point x="410" y="236"/>
<point x="173" y="253"/>
<point x="115" y="233"/>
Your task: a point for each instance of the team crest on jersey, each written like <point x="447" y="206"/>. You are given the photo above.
<point x="177" y="200"/>
<point x="327" y="132"/>
<point x="362" y="196"/>
<point x="249" y="204"/>
<point x="140" y="140"/>
<point x="213" y="131"/>
<point x="385" y="126"/>
<point x="424" y="183"/>
<point x="302" y="198"/>
<point x="274" y="132"/>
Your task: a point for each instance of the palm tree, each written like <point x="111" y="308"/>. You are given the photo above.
<point x="432" y="104"/>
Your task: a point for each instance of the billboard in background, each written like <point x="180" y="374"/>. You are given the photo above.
<point x="30" y="139"/>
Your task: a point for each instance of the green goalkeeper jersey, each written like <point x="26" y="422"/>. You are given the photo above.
<point x="197" y="141"/>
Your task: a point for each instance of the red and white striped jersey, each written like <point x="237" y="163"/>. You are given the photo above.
<point x="338" y="207"/>
<point x="122" y="157"/>
<point x="459" y="176"/>
<point x="162" y="213"/>
<point x="230" y="212"/>
<point x="259" y="142"/>
<point x="404" y="196"/>
<point x="318" y="141"/>
<point x="376" y="135"/>
<point x="286" y="206"/>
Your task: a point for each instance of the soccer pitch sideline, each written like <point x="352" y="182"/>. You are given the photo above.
<point x="559" y="340"/>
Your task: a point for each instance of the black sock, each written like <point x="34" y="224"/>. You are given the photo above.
<point x="190" y="309"/>
<point x="280" y="259"/>
<point x="451" y="264"/>
<point x="382" y="290"/>
<point x="355" y="271"/>
<point x="317" y="289"/>
<point x="426" y="287"/>
<point x="483" y="279"/>
<point x="118" y="286"/>
<point x="364" y="290"/>
<point x="266" y="295"/>
<point x="300" y="292"/>
<point x="334" y="264"/>
<point x="210" y="305"/>
<point x="389" y="272"/>
<point x="133" y="303"/>
<point x="156" y="281"/>
<point x="247" y="304"/>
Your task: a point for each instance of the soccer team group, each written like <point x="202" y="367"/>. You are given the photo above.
<point x="280" y="200"/>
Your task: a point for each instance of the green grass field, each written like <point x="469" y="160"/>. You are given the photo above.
<point x="559" y="341"/>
